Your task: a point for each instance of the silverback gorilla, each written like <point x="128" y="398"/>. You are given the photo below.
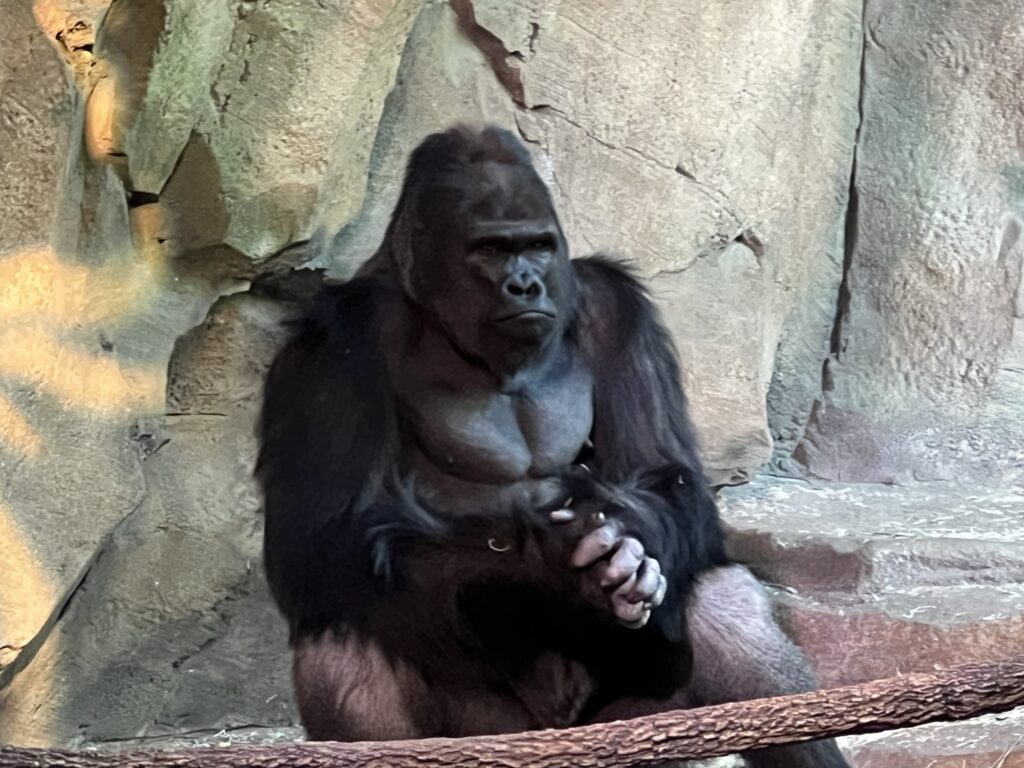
<point x="485" y="511"/>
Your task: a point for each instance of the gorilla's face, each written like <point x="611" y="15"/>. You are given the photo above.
<point x="492" y="264"/>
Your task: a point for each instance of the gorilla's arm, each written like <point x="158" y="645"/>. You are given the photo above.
<point x="329" y="442"/>
<point x="341" y="529"/>
<point x="644" y="446"/>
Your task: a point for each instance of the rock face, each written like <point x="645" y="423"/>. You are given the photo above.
<point x="925" y="380"/>
<point x="173" y="615"/>
<point x="167" y="167"/>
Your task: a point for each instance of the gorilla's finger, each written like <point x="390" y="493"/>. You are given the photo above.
<point x="659" y="595"/>
<point x="625" y="611"/>
<point x="624" y="563"/>
<point x="648" y="582"/>
<point x="642" y="621"/>
<point x="562" y="516"/>
<point x="595" y="545"/>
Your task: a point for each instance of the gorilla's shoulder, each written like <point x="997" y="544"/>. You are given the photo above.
<point x="344" y="311"/>
<point x="615" y="306"/>
<point x="602" y="269"/>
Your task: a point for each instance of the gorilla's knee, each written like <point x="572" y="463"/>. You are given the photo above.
<point x="347" y="690"/>
<point x="740" y="652"/>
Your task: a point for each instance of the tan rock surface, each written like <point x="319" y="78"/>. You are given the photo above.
<point x="165" y="165"/>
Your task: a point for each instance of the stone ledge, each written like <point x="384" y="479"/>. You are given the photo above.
<point x="872" y="544"/>
<point x="874" y="581"/>
<point x="993" y="741"/>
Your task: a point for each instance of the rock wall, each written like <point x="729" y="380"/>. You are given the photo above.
<point x="924" y="380"/>
<point x="825" y="197"/>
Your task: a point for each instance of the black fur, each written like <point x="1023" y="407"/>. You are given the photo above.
<point x="475" y="602"/>
<point x="330" y="442"/>
<point x="643" y="441"/>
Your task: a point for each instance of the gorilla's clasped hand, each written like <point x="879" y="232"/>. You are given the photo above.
<point x="616" y="571"/>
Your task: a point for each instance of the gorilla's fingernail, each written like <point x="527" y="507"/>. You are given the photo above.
<point x="563" y="516"/>
<point x="598" y="517"/>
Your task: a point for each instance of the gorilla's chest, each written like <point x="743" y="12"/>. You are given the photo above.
<point x="486" y="436"/>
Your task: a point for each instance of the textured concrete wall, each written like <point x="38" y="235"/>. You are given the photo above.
<point x="166" y="163"/>
<point x="925" y="377"/>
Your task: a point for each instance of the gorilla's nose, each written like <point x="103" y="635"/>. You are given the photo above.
<point x="523" y="288"/>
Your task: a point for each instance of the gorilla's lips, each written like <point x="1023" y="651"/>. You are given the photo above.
<point x="527" y="315"/>
<point x="528" y="325"/>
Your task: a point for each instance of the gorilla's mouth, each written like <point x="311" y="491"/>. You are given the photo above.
<point x="528" y="321"/>
<point x="529" y="314"/>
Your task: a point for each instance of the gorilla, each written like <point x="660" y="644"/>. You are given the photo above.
<point x="485" y="510"/>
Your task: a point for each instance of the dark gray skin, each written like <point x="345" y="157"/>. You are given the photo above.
<point x="494" y="403"/>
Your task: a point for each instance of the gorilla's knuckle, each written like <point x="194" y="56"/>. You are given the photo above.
<point x="633" y="546"/>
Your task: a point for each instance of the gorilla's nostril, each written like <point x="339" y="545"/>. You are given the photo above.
<point x="523" y="288"/>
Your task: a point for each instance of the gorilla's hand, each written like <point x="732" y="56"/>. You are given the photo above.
<point x="615" y="570"/>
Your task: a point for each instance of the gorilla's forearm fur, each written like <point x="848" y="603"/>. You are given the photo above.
<point x="644" y="446"/>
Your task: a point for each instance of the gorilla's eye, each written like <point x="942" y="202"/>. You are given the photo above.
<point x="543" y="242"/>
<point x="487" y="248"/>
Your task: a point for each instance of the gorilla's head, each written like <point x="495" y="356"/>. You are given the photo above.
<point x="477" y="245"/>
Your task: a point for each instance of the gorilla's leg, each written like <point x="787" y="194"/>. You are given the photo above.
<point x="739" y="653"/>
<point x="347" y="689"/>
